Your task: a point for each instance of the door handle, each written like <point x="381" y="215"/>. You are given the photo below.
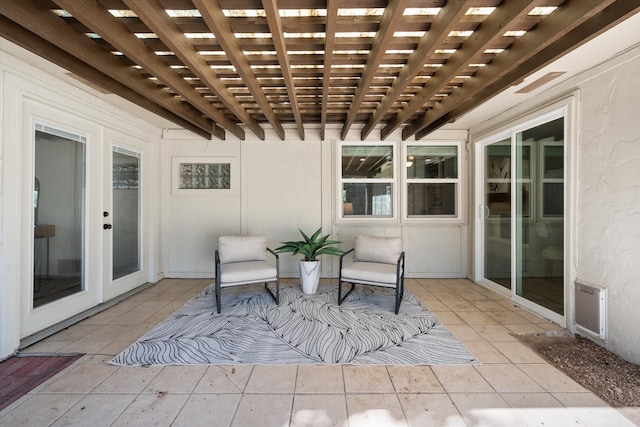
<point x="107" y="226"/>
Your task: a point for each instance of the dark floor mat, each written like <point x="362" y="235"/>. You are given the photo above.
<point x="21" y="374"/>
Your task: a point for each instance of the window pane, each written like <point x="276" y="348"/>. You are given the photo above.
<point x="126" y="214"/>
<point x="431" y="199"/>
<point x="367" y="161"/>
<point x="59" y="200"/>
<point x="553" y="162"/>
<point x="432" y="162"/>
<point x="367" y="199"/>
<point x="553" y="199"/>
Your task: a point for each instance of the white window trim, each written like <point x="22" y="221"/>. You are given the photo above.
<point x="458" y="181"/>
<point x="393" y="181"/>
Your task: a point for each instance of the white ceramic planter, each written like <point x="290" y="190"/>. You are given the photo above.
<point x="309" y="276"/>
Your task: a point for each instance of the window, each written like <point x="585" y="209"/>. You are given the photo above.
<point x="433" y="181"/>
<point x="367" y="181"/>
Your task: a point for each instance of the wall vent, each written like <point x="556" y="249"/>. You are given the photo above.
<point x="590" y="309"/>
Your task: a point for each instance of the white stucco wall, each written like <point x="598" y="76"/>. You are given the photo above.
<point x="286" y="185"/>
<point x="609" y="199"/>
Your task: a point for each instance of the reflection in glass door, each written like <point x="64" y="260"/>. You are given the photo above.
<point x="523" y="214"/>
<point x="540" y="215"/>
<point x="126" y="213"/>
<point x="497" y="213"/>
<point x="58" y="202"/>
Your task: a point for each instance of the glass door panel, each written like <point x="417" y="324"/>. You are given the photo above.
<point x="497" y="213"/>
<point x="540" y="215"/>
<point x="59" y="216"/>
<point x="126" y="213"/>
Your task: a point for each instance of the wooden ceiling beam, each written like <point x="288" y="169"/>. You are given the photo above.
<point x="330" y="38"/>
<point x="389" y="23"/>
<point x="153" y="15"/>
<point x="95" y="16"/>
<point x="41" y="47"/>
<point x="587" y="30"/>
<point x="277" y="35"/>
<point x="531" y="45"/>
<point x="446" y="21"/>
<point x="494" y="26"/>
<point x="211" y="12"/>
<point x="31" y="15"/>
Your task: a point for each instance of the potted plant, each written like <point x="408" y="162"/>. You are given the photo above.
<point x="310" y="248"/>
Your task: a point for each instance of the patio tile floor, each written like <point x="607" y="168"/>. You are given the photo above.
<point x="512" y="385"/>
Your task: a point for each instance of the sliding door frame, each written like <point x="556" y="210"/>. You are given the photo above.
<point x="566" y="108"/>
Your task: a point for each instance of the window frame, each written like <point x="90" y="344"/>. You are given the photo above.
<point x="393" y="181"/>
<point x="458" y="181"/>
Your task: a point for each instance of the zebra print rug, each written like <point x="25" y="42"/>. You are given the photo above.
<point x="303" y="329"/>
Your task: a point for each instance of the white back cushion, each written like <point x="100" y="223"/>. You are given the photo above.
<point x="242" y="248"/>
<point x="386" y="250"/>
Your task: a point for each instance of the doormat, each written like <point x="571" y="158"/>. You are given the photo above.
<point x="21" y="374"/>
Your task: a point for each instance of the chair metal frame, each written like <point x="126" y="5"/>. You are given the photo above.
<point x="218" y="290"/>
<point x="399" y="287"/>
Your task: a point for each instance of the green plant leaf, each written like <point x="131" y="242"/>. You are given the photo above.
<point x="311" y="246"/>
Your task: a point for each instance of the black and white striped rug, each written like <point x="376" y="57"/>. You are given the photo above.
<point x="303" y="329"/>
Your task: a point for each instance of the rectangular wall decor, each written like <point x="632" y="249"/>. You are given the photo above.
<point x="204" y="176"/>
<point x="199" y="175"/>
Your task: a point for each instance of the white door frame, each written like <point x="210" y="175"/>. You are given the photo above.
<point x="568" y="109"/>
<point x="33" y="320"/>
<point x="112" y="288"/>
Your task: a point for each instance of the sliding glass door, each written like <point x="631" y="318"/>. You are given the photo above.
<point x="521" y="250"/>
<point x="539" y="215"/>
<point x="497" y="212"/>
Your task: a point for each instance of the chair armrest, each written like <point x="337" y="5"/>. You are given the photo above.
<point x="400" y="264"/>
<point x="401" y="259"/>
<point x="342" y="257"/>
<point x="272" y="252"/>
<point x="217" y="265"/>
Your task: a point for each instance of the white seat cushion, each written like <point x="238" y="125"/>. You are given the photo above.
<point x="240" y="273"/>
<point x="370" y="273"/>
<point x="242" y="248"/>
<point x="377" y="249"/>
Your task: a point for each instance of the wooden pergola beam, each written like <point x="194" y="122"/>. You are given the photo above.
<point x="389" y="23"/>
<point x="152" y="14"/>
<point x="41" y="47"/>
<point x="446" y="21"/>
<point x="96" y="17"/>
<point x="31" y="15"/>
<point x="492" y="27"/>
<point x="530" y="46"/>
<point x="580" y="34"/>
<point x="212" y="14"/>
<point x="277" y="35"/>
<point x="330" y="37"/>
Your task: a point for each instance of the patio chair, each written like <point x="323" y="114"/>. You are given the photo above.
<point x="242" y="260"/>
<point x="377" y="261"/>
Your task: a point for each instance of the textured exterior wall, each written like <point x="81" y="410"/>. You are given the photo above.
<point x="609" y="199"/>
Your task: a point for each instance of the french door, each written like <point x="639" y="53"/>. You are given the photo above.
<point x="521" y="227"/>
<point x="59" y="197"/>
<point x="84" y="196"/>
<point x="123" y="266"/>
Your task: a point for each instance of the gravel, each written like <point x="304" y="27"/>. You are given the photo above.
<point x="608" y="376"/>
